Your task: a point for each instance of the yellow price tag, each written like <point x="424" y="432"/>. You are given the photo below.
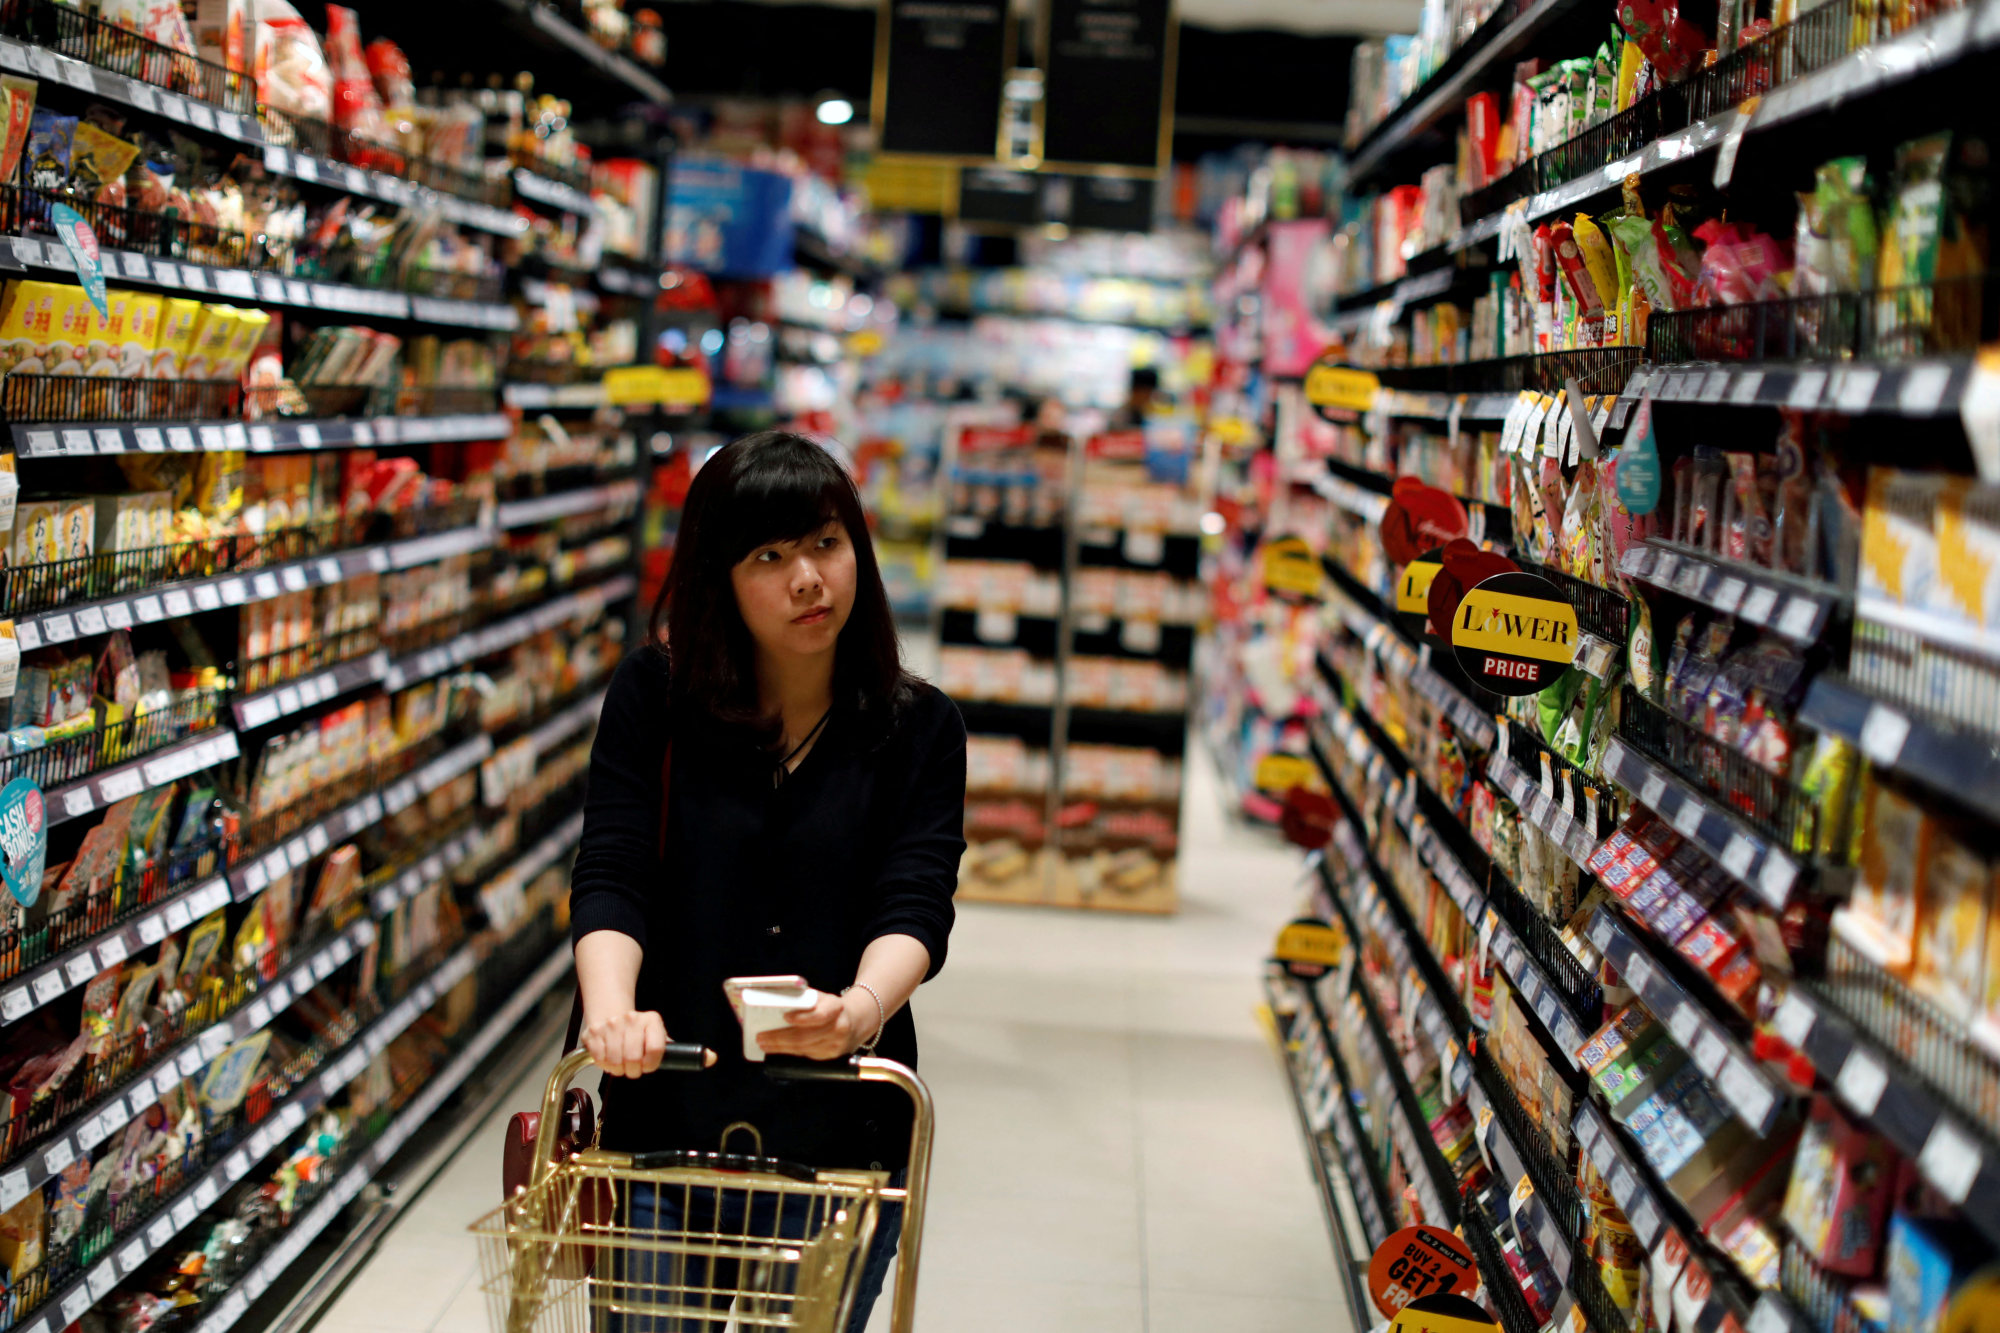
<point x="678" y="386"/>
<point x="1282" y="772"/>
<point x="1341" y="386"/>
<point x="1311" y="942"/>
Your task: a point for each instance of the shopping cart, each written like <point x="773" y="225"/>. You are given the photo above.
<point x="698" y="1242"/>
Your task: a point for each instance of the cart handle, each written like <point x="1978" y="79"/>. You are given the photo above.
<point x="688" y="1056"/>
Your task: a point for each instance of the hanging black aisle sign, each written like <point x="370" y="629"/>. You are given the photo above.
<point x="1108" y="83"/>
<point x="997" y="196"/>
<point x="1514" y="633"/>
<point x="939" y="69"/>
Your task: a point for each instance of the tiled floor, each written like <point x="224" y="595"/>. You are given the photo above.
<point x="1116" y="1150"/>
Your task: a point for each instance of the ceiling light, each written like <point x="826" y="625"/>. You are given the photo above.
<point x="834" y="111"/>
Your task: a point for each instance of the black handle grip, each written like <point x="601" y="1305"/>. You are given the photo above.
<point x="686" y="1057"/>
<point x="826" y="1071"/>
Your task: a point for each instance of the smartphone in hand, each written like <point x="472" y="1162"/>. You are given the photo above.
<point x="761" y="1004"/>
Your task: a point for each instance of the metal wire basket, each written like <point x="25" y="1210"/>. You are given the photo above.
<point x="696" y="1242"/>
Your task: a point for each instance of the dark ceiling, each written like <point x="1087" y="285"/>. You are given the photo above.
<point x="1232" y="87"/>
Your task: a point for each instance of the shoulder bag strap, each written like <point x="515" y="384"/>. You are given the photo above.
<point x="575" y="1033"/>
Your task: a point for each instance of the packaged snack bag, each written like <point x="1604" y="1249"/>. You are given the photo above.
<point x="141" y="334"/>
<point x="20" y="115"/>
<point x="208" y="358"/>
<point x="179" y="318"/>
<point x="246" y="332"/>
<point x="70" y="339"/>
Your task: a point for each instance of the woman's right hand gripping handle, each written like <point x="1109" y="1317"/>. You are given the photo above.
<point x="625" y="1044"/>
<point x="622" y="1039"/>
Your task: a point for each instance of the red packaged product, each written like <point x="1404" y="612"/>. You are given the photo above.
<point x="1482" y="130"/>
<point x="1672" y="45"/>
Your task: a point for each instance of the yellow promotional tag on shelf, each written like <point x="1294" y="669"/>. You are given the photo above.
<point x="1316" y="942"/>
<point x="1413" y="589"/>
<point x="868" y="342"/>
<point x="1341" y="386"/>
<point x="1515" y="633"/>
<point x="1282" y="772"/>
<point x="1290" y="566"/>
<point x="675" y="386"/>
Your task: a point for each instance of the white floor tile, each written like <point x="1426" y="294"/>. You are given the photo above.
<point x="1116" y="1147"/>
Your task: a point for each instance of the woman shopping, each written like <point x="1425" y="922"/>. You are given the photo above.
<point x="771" y="794"/>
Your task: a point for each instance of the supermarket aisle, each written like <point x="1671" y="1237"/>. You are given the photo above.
<point x="1116" y="1151"/>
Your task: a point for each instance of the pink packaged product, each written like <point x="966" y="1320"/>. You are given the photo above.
<point x="1837" y="1202"/>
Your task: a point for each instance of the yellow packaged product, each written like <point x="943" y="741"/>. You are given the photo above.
<point x="37" y="529"/>
<point x="141" y="335"/>
<point x="178" y="318"/>
<point x="208" y="356"/>
<point x="27" y="326"/>
<point x="68" y="341"/>
<point x="247" y="332"/>
<point x="78" y="535"/>
<point x="106" y="336"/>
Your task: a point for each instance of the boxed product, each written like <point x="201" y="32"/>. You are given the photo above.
<point x="129" y="522"/>
<point x="1927" y="1261"/>
<point x="1880" y="918"/>
<point x="37" y="533"/>
<point x="1842" y="1181"/>
<point x="1954" y="897"/>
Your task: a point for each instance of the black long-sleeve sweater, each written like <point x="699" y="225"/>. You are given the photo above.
<point x="862" y="840"/>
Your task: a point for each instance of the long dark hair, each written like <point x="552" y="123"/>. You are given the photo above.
<point x="769" y="487"/>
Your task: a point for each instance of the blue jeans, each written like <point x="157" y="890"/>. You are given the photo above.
<point x="637" y="1273"/>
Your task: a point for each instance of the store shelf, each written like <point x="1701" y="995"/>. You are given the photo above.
<point x="156" y="768"/>
<point x="1724" y="1060"/>
<point x="1794" y="608"/>
<point x="1923" y="48"/>
<point x="267" y="706"/>
<point x="250" y="876"/>
<point x="1477" y="59"/>
<point x="74" y="967"/>
<point x="1446" y="1039"/>
<point x="1404" y="662"/>
<point x="301" y="166"/>
<point x="1952" y="760"/>
<point x="547" y="22"/>
<point x="539" y="189"/>
<point x="85" y="439"/>
<point x="1924" y="389"/>
<point x="1512" y="1168"/>
<point x="489" y="639"/>
<point x="430" y="871"/>
<point x="174" y="600"/>
<point x="1961" y="1161"/>
<point x="138" y="1093"/>
<point x="543" y="397"/>
<point x="1746" y="852"/>
<point x="42" y="63"/>
<point x="25" y="253"/>
<point x="563" y="504"/>
<point x="439" y="1086"/>
<point x="1562" y="826"/>
<point x="577" y="717"/>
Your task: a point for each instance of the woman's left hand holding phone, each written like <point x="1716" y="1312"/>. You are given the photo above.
<point x="829" y="1030"/>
